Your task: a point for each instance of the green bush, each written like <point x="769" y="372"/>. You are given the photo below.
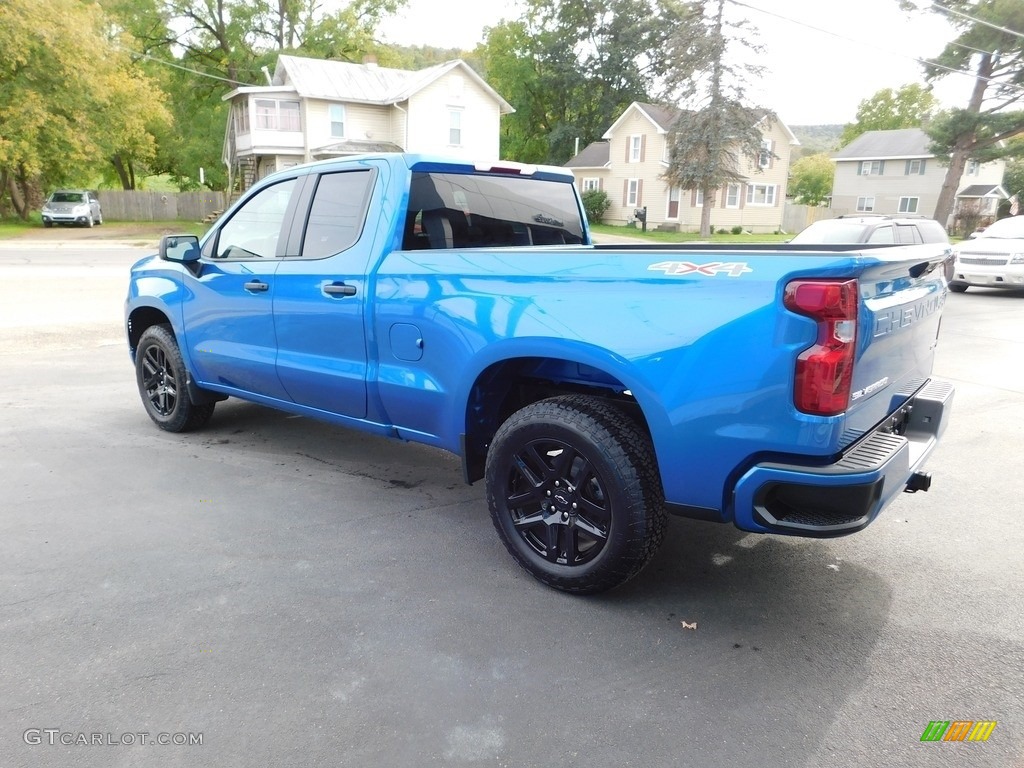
<point x="596" y="203"/>
<point x="737" y="230"/>
<point x="712" y="230"/>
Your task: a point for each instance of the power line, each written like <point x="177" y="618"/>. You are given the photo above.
<point x="922" y="62"/>
<point x="976" y="20"/>
<point x="166" y="63"/>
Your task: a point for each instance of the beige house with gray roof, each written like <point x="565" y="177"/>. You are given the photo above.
<point x="894" y="172"/>
<point x="629" y="162"/>
<point x="315" y="109"/>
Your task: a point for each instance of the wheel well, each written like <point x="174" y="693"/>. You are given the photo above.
<point x="505" y="387"/>
<point x="139" y="320"/>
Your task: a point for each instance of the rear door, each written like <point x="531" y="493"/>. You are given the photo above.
<point x="321" y="293"/>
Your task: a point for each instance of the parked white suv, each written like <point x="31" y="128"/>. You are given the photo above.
<point x="72" y="206"/>
<point x="994" y="258"/>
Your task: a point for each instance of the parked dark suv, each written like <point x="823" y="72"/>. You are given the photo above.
<point x="72" y="206"/>
<point x="867" y="228"/>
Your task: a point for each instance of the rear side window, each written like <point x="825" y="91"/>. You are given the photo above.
<point x="337" y="215"/>
<point x="908" y="234"/>
<point x="449" y="210"/>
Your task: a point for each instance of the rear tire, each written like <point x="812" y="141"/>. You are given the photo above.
<point x="160" y="374"/>
<point x="574" y="493"/>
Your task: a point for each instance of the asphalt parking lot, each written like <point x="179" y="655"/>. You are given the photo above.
<point x="291" y="593"/>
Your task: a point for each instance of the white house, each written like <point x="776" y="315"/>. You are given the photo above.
<point x="895" y="172"/>
<point x="315" y="109"/>
<point x="628" y="164"/>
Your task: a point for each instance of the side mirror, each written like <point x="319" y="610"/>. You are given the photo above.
<point x="183" y="249"/>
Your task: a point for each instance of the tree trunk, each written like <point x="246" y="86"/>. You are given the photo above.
<point x="122" y="174"/>
<point x="964" y="145"/>
<point x="18" y="198"/>
<point x="705" y="211"/>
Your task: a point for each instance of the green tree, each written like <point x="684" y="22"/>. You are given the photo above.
<point x="70" y="100"/>
<point x="811" y="179"/>
<point x="570" y="67"/>
<point x="989" y="47"/>
<point x="711" y="140"/>
<point x="909" y="107"/>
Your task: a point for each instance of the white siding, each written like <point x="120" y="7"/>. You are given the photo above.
<point x="363" y="122"/>
<point x="429" y="118"/>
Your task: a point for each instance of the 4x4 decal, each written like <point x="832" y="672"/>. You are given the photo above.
<point x="731" y="268"/>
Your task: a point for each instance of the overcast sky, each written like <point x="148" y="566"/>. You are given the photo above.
<point x="812" y="77"/>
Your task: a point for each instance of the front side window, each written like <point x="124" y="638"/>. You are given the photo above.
<point x="337" y="214"/>
<point x="761" y="194"/>
<point x="908" y="204"/>
<point x="337" y="121"/>
<point x="865" y="204"/>
<point x="455" y="127"/>
<point x="882" y="235"/>
<point x="253" y="230"/>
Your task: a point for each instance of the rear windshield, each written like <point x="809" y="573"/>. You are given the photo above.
<point x="67" y="197"/>
<point x="451" y="210"/>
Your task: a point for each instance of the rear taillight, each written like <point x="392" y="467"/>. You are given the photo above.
<point x="824" y="372"/>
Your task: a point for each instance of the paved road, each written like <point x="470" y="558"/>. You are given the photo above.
<point x="303" y="595"/>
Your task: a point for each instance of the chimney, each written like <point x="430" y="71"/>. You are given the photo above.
<point x="369" y="61"/>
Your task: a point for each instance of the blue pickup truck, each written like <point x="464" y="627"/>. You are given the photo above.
<point x="595" y="389"/>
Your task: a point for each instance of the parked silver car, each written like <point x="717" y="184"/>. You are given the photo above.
<point x="72" y="206"/>
<point x="993" y="258"/>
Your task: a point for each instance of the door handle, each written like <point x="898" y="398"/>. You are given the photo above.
<point x="256" y="285"/>
<point x="340" y="289"/>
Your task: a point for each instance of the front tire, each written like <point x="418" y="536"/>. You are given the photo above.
<point x="958" y="287"/>
<point x="160" y="374"/>
<point x="89" y="222"/>
<point x="574" y="493"/>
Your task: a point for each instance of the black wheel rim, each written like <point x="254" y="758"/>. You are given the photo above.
<point x="158" y="381"/>
<point x="558" y="503"/>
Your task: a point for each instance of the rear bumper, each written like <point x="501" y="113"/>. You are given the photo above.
<point x="844" y="497"/>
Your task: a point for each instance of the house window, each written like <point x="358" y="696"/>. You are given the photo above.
<point x="635" y="147"/>
<point x="242" y="116"/>
<point x="272" y="115"/>
<point x="732" y="196"/>
<point x="673" y="202"/>
<point x="764" y="159"/>
<point x="871" y="168"/>
<point x="761" y="194"/>
<point x="915" y="167"/>
<point x="972" y="167"/>
<point x="338" y="121"/>
<point x="699" y="199"/>
<point x="590" y="184"/>
<point x="908" y="204"/>
<point x="632" y="192"/>
<point x="865" y="204"/>
<point x="455" y="127"/>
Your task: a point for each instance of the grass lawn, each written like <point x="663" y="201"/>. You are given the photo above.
<point x="686" y="237"/>
<point x="113" y="230"/>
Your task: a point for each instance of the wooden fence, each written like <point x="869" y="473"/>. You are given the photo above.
<point x="796" y="218"/>
<point x="128" y="205"/>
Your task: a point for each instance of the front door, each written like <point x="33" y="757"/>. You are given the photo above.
<point x="228" y="304"/>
